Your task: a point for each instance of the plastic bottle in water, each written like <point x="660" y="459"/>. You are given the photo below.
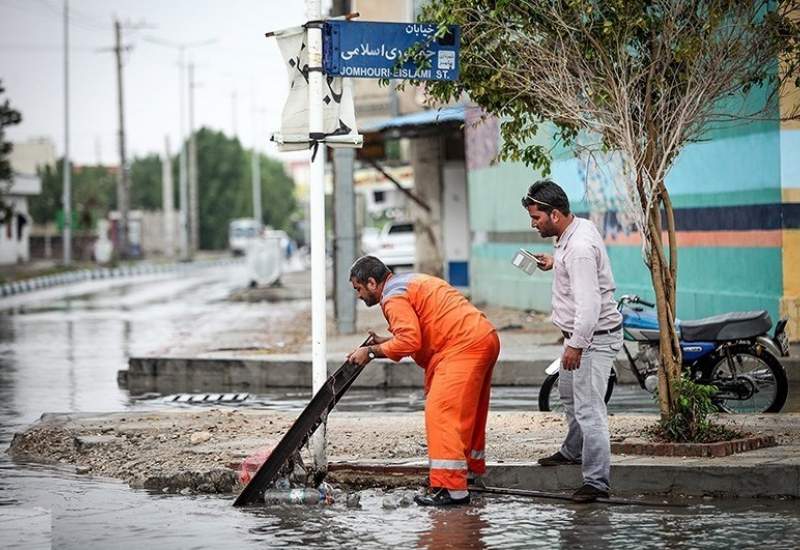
<point x="306" y="495"/>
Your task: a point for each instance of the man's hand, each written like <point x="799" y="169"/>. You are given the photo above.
<point x="378" y="340"/>
<point x="359" y="356"/>
<point x="571" y="358"/>
<point x="544" y="261"/>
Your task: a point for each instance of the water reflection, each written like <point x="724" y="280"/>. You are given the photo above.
<point x="460" y="527"/>
<point x="587" y="524"/>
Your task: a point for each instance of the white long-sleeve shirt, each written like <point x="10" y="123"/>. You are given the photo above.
<point x="583" y="285"/>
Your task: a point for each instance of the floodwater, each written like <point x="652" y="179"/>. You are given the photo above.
<point x="63" y="356"/>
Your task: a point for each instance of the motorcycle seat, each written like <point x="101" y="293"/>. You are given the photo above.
<point x="728" y="326"/>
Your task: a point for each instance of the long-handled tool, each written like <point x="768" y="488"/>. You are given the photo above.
<point x="562" y="496"/>
<point x="306" y="424"/>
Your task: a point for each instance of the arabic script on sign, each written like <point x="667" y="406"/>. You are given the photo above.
<point x="364" y="50"/>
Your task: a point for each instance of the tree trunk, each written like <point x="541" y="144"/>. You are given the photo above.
<point x="663" y="274"/>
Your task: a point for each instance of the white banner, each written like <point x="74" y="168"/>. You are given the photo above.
<point x="339" y="119"/>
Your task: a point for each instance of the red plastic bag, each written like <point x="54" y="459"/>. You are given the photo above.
<point x="252" y="463"/>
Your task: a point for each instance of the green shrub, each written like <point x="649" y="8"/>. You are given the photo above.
<point x="689" y="422"/>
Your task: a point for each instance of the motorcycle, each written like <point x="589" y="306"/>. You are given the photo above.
<point x="732" y="352"/>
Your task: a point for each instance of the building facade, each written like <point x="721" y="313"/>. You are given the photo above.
<point x="736" y="196"/>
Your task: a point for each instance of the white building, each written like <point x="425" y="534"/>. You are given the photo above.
<point x="16" y="230"/>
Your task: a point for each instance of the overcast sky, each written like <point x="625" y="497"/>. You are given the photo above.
<point x="241" y="61"/>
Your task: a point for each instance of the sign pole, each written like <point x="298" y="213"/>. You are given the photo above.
<point x="317" y="213"/>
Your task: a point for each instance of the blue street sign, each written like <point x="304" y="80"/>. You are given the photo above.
<point x="364" y="49"/>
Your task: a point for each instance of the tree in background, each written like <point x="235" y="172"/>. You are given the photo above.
<point x="8" y="117"/>
<point x="224" y="188"/>
<point x="145" y="176"/>
<point x="638" y="78"/>
<point x="278" y="202"/>
<point x="93" y="195"/>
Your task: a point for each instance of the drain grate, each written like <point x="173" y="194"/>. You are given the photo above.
<point x="208" y="397"/>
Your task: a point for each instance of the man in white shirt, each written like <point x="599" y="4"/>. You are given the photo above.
<point x="585" y="310"/>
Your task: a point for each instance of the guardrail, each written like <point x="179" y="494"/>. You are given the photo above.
<point x="81" y="275"/>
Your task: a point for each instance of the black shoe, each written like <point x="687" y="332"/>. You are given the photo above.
<point x="588" y="493"/>
<point x="440" y="497"/>
<point x="556" y="460"/>
<point x="475" y="481"/>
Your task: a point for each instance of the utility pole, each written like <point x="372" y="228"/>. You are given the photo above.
<point x="183" y="163"/>
<point x="194" y="207"/>
<point x="256" y="166"/>
<point x="345" y="246"/>
<point x="183" y="178"/>
<point x="256" y="161"/>
<point x="344" y="221"/>
<point x="66" y="198"/>
<point x="319" y="358"/>
<point x="167" y="201"/>
<point x="122" y="181"/>
<point x="234" y="109"/>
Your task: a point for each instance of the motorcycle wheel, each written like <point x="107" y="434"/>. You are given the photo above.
<point x="549" y="399"/>
<point x="762" y="371"/>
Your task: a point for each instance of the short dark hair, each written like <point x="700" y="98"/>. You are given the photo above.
<point x="547" y="196"/>
<point x="369" y="266"/>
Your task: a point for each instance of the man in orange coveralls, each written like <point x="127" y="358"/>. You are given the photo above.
<point x="457" y="346"/>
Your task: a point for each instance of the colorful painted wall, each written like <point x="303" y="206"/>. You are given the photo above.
<point x="737" y="201"/>
<point x="790" y="187"/>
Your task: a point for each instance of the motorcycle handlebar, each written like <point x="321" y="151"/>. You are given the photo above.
<point x="635" y="300"/>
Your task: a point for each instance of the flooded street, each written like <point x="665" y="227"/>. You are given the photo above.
<point x="63" y="356"/>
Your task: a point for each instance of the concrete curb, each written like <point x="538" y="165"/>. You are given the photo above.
<point x="238" y="374"/>
<point x="681" y="477"/>
<point x="69" y="277"/>
<point x="177" y="375"/>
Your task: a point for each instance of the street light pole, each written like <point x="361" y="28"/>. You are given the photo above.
<point x="66" y="198"/>
<point x="256" y="166"/>
<point x="183" y="162"/>
<point x="122" y="182"/>
<point x="194" y="206"/>
<point x="183" y="182"/>
<point x="317" y="214"/>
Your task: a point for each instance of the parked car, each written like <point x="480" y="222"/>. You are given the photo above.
<point x="370" y="237"/>
<point x="397" y="244"/>
<point x="241" y="233"/>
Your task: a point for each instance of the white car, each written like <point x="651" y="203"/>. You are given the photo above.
<point x="241" y="233"/>
<point x="397" y="244"/>
<point x="370" y="237"/>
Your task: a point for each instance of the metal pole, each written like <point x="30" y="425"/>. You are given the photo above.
<point x="256" y="170"/>
<point x="122" y="182"/>
<point x="183" y="182"/>
<point x="67" y="169"/>
<point x="256" y="161"/>
<point x="167" y="201"/>
<point x="317" y="214"/>
<point x="234" y="109"/>
<point x="344" y="203"/>
<point x="194" y="207"/>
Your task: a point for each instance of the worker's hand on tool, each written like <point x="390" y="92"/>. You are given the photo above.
<point x="378" y="340"/>
<point x="544" y="261"/>
<point x="359" y="356"/>
<point x="571" y="358"/>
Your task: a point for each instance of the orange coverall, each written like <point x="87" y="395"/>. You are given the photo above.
<point x="457" y="346"/>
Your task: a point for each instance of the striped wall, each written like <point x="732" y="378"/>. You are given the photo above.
<point x="737" y="202"/>
<point x="790" y="180"/>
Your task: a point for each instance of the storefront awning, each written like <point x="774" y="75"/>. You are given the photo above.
<point x="421" y="123"/>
